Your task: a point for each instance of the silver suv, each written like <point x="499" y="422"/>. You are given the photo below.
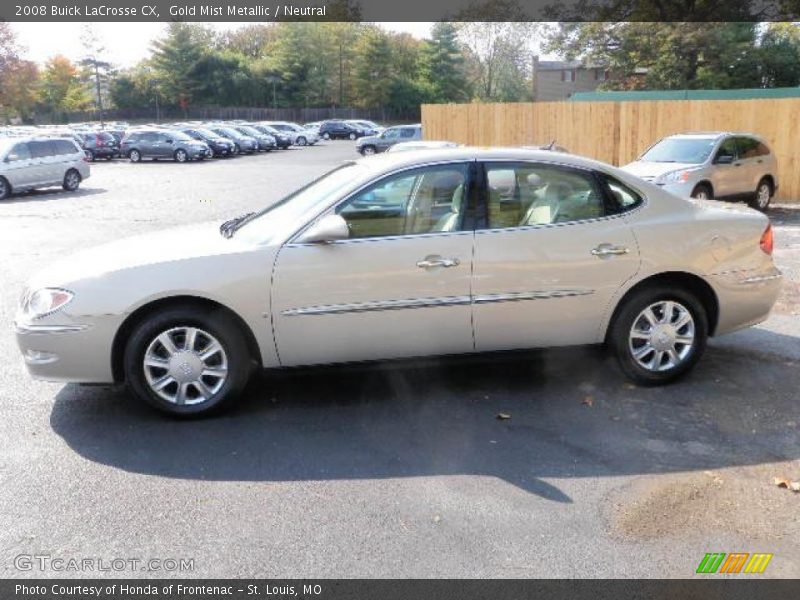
<point x="30" y="163"/>
<point x="720" y="165"/>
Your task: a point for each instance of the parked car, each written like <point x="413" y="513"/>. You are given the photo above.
<point x="218" y="146"/>
<point x="721" y="165"/>
<point x="314" y="126"/>
<point x="282" y="139"/>
<point x="242" y="144"/>
<point x="265" y="141"/>
<point x="338" y="129"/>
<point x="100" y="144"/>
<point x="162" y="143"/>
<point x="393" y="135"/>
<point x="421" y="145"/>
<point x="379" y="259"/>
<point x="299" y="135"/>
<point x="28" y="163"/>
<point x="368" y="128"/>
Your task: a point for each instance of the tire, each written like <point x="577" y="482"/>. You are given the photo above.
<point x="763" y="195"/>
<point x="72" y="180"/>
<point x="92" y="156"/>
<point x="5" y="188"/>
<point x="135" y="156"/>
<point x="109" y="157"/>
<point x="352" y="136"/>
<point x="302" y="141"/>
<point x="368" y="150"/>
<point x="631" y="332"/>
<point x="211" y="153"/>
<point x="702" y="191"/>
<point x="326" y="136"/>
<point x="180" y="155"/>
<point x="231" y="363"/>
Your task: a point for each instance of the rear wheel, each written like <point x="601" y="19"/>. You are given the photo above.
<point x="326" y="136"/>
<point x="5" y="189"/>
<point x="352" y="136"/>
<point x="180" y="155"/>
<point x="368" y="150"/>
<point x="763" y="195"/>
<point x="659" y="334"/>
<point x="301" y="141"/>
<point x="702" y="192"/>
<point x="135" y="156"/>
<point x="186" y="361"/>
<point x="72" y="180"/>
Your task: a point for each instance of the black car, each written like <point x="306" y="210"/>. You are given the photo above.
<point x="282" y="141"/>
<point x="217" y="145"/>
<point x="99" y="144"/>
<point x="336" y="128"/>
<point x="162" y="143"/>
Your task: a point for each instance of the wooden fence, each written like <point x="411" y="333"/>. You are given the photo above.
<point x="617" y="132"/>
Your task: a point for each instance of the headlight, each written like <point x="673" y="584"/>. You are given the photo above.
<point x="675" y="177"/>
<point x="45" y="301"/>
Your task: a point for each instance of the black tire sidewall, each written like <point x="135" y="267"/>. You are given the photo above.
<point x="66" y="186"/>
<point x="216" y="322"/>
<point x="754" y="202"/>
<point x="703" y="186"/>
<point x="135" y="153"/>
<point x="623" y="321"/>
<point x="5" y="188"/>
<point x="182" y="153"/>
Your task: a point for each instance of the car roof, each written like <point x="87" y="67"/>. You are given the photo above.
<point x="712" y="134"/>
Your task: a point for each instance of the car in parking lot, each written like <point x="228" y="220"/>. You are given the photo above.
<point x="100" y="144"/>
<point x="29" y="163"/>
<point x="720" y="165"/>
<point x="375" y="144"/>
<point x="159" y="144"/>
<point x="301" y="136"/>
<point x="218" y="146"/>
<point x="282" y="141"/>
<point x="406" y="254"/>
<point x="264" y="141"/>
<point x="242" y="144"/>
<point x="421" y="145"/>
<point x="339" y="129"/>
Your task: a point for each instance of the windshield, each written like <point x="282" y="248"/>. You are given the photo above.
<point x="179" y="135"/>
<point x="231" y="133"/>
<point x="249" y="130"/>
<point x="290" y="212"/>
<point x="680" y="150"/>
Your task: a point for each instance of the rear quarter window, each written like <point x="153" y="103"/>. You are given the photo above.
<point x="622" y="197"/>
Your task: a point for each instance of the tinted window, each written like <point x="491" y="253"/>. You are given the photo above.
<point x="762" y="149"/>
<point x="42" y="149"/>
<point x="425" y="200"/>
<point x="727" y="148"/>
<point x="65" y="147"/>
<point x="407" y="132"/>
<point x="747" y="147"/>
<point x="532" y="194"/>
<point x="19" y="152"/>
<point x="391" y="134"/>
<point x="680" y="150"/>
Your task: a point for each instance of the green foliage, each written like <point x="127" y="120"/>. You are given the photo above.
<point x="442" y="69"/>
<point x="62" y="89"/>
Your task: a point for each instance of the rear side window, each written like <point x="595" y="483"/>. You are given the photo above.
<point x="622" y="197"/>
<point x="407" y="132"/>
<point x="65" y="147"/>
<point x="42" y="149"/>
<point x="747" y="147"/>
<point x="762" y="149"/>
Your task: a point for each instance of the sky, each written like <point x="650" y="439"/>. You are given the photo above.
<point x="126" y="43"/>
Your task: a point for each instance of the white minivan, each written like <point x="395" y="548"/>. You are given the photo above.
<point x="34" y="162"/>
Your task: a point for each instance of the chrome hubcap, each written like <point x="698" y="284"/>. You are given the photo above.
<point x="181" y="156"/>
<point x="662" y="336"/>
<point x="185" y="365"/>
<point x="763" y="195"/>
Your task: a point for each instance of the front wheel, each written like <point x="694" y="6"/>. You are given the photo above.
<point x="702" y="192"/>
<point x="326" y="136"/>
<point x="368" y="150"/>
<point x="659" y="334"/>
<point x="72" y="180"/>
<point x="135" y="156"/>
<point x="180" y="155"/>
<point x="5" y="189"/>
<point x="186" y="361"/>
<point x="301" y="141"/>
<point x="352" y="136"/>
<point x="763" y="195"/>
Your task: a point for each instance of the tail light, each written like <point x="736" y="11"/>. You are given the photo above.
<point x="767" y="240"/>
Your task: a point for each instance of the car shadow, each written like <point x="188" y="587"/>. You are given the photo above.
<point x="53" y="193"/>
<point x="784" y="215"/>
<point x="528" y="418"/>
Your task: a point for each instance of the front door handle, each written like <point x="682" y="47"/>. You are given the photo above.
<point x="604" y="250"/>
<point x="430" y="262"/>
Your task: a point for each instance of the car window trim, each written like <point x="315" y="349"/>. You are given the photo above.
<point x="469" y="162"/>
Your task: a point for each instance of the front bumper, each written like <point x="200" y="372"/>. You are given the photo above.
<point x="79" y="352"/>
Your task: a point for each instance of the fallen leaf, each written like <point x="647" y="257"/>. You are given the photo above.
<point x="783" y="482"/>
<point x="588" y="401"/>
<point x="503" y="416"/>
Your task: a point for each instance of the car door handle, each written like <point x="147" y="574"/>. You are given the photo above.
<point x="430" y="262"/>
<point x="608" y="250"/>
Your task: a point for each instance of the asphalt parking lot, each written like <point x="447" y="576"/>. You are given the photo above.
<point x="391" y="470"/>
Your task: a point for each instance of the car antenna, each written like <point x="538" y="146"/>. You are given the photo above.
<point x="551" y="145"/>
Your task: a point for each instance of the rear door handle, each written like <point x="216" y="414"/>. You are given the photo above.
<point x="430" y="262"/>
<point x="604" y="250"/>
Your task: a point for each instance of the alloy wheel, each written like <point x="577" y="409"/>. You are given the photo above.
<point x="180" y="155"/>
<point x="185" y="365"/>
<point x="72" y="180"/>
<point x="763" y="195"/>
<point x="662" y="336"/>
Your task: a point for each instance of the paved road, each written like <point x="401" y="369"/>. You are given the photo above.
<point x="392" y="470"/>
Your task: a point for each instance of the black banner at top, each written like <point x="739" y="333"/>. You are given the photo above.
<point x="398" y="11"/>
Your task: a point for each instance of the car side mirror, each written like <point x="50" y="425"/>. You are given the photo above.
<point x="329" y="228"/>
<point x="724" y="159"/>
<point x="168" y="141"/>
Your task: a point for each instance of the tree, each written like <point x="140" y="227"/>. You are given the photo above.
<point x="95" y="68"/>
<point x="441" y="67"/>
<point x="20" y="90"/>
<point x="175" y="57"/>
<point x="373" y="69"/>
<point x="780" y="55"/>
<point x="62" y="89"/>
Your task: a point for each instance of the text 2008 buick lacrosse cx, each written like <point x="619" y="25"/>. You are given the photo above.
<point x="434" y="252"/>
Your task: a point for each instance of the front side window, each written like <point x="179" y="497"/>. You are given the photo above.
<point x="425" y="200"/>
<point x="19" y="152"/>
<point x="727" y="149"/>
<point x="526" y="194"/>
<point x="407" y="132"/>
<point x="391" y="134"/>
